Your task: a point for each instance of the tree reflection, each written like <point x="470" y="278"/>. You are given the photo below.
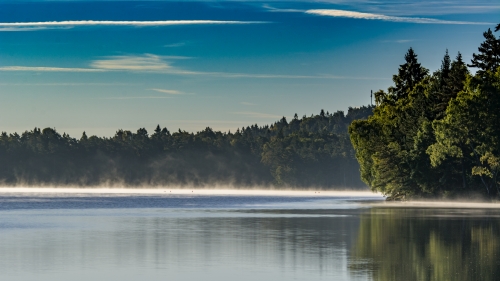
<point x="428" y="244"/>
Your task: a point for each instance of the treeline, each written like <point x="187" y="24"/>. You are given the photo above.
<point x="435" y="134"/>
<point x="310" y="151"/>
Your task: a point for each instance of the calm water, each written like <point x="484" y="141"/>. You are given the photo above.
<point x="182" y="237"/>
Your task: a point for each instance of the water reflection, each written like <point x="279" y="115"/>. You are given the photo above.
<point x="428" y="244"/>
<point x="155" y="244"/>
<point x="143" y="238"/>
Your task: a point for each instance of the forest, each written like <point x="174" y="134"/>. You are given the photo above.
<point x="429" y="135"/>
<point x="312" y="152"/>
<point x="435" y="134"/>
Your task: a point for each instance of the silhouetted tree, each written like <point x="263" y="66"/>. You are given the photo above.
<point x="488" y="58"/>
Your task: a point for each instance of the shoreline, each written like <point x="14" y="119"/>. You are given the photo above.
<point x="435" y="204"/>
<point x="187" y="191"/>
<point x="374" y="200"/>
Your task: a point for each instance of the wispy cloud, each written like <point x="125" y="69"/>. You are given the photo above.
<point x="48" y="69"/>
<point x="175" y="45"/>
<point x="164" y="65"/>
<point x="68" y="84"/>
<point x="134" y="98"/>
<point x="170" y="92"/>
<point x="159" y="64"/>
<point x="142" y="63"/>
<point x="410" y="8"/>
<point x="32" y="26"/>
<point x="257" y="114"/>
<point x="400" y="41"/>
<point x="106" y="66"/>
<point x="5" y="29"/>
<point x="273" y="9"/>
<point x="432" y="7"/>
<point x="146" y="62"/>
<point x="370" y="16"/>
<point x="404" y="41"/>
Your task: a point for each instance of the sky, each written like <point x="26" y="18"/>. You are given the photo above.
<point x="100" y="66"/>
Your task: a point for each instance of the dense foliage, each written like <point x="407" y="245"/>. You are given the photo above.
<point x="435" y="134"/>
<point x="305" y="152"/>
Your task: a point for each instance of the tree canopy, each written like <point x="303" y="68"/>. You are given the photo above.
<point x="436" y="134"/>
<point x="304" y="152"/>
<point x="488" y="58"/>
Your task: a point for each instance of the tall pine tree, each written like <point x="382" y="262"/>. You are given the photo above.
<point x="488" y="58"/>
<point x="409" y="74"/>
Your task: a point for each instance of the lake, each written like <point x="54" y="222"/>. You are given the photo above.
<point x="238" y="236"/>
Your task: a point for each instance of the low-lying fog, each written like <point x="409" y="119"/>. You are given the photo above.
<point x="204" y="191"/>
<point x="366" y="195"/>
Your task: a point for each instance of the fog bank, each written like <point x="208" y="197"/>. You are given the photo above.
<point x="186" y="191"/>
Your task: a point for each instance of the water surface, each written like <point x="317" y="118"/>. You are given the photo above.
<point x="241" y="237"/>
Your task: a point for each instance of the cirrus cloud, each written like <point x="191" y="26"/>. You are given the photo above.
<point x="147" y="62"/>
<point x="42" y="25"/>
<point x="169" y="92"/>
<point x="370" y="16"/>
<point x="48" y="69"/>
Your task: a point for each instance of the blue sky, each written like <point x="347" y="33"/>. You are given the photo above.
<point x="99" y="66"/>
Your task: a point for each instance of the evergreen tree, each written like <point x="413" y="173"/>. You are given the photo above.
<point x="444" y="71"/>
<point x="313" y="151"/>
<point x="409" y="75"/>
<point x="84" y="137"/>
<point x="457" y="77"/>
<point x="488" y="58"/>
<point x="470" y="133"/>
<point x="451" y="79"/>
<point x="438" y="137"/>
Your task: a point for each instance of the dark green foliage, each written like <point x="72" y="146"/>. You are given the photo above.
<point x="409" y="75"/>
<point x="488" y="58"/>
<point x="309" y="152"/>
<point x="450" y="80"/>
<point x="435" y="135"/>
